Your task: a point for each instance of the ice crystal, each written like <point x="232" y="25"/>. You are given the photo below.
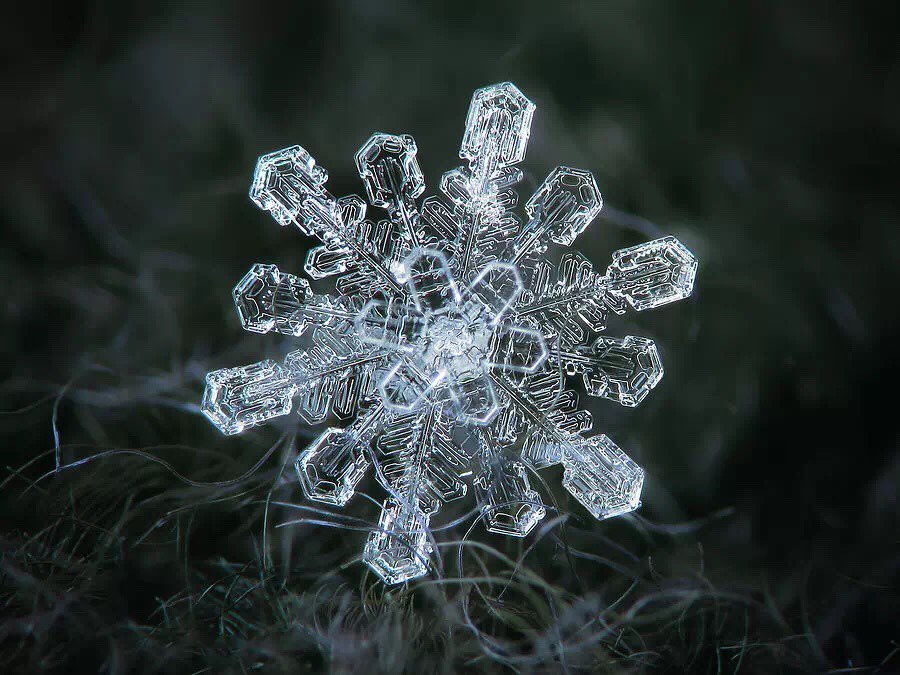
<point x="449" y="340"/>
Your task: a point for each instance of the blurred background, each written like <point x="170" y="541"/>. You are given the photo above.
<point x="764" y="135"/>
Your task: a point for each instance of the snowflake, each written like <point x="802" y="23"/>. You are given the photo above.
<point x="451" y="335"/>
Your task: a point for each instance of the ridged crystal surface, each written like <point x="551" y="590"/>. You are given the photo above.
<point x="602" y="477"/>
<point x="508" y="504"/>
<point x="332" y="465"/>
<point x="455" y="325"/>
<point x="246" y="396"/>
<point x="399" y="549"/>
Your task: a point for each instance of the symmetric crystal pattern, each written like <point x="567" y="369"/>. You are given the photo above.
<point x="445" y="351"/>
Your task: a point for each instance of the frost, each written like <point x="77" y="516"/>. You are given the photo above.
<point x="450" y="338"/>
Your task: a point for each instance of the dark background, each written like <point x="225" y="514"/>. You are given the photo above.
<point x="763" y="134"/>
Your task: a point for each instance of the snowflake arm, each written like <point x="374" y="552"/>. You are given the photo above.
<point x="332" y="465"/>
<point x="393" y="180"/>
<point x="508" y="504"/>
<point x="418" y="465"/>
<point x="291" y="186"/>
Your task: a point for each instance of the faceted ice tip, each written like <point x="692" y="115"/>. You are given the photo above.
<point x="568" y="200"/>
<point x="653" y="274"/>
<point x="265" y="299"/>
<point x="238" y="398"/>
<point x="282" y="179"/>
<point x="332" y="466"/>
<point x="623" y="370"/>
<point x="604" y="479"/>
<point x="389" y="170"/>
<point x="399" y="549"/>
<point x="509" y="505"/>
<point x="497" y="129"/>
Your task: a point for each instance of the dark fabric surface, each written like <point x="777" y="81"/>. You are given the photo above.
<point x="764" y="135"/>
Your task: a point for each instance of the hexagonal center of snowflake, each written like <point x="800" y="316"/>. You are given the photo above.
<point x="446" y="341"/>
<point x="448" y="337"/>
